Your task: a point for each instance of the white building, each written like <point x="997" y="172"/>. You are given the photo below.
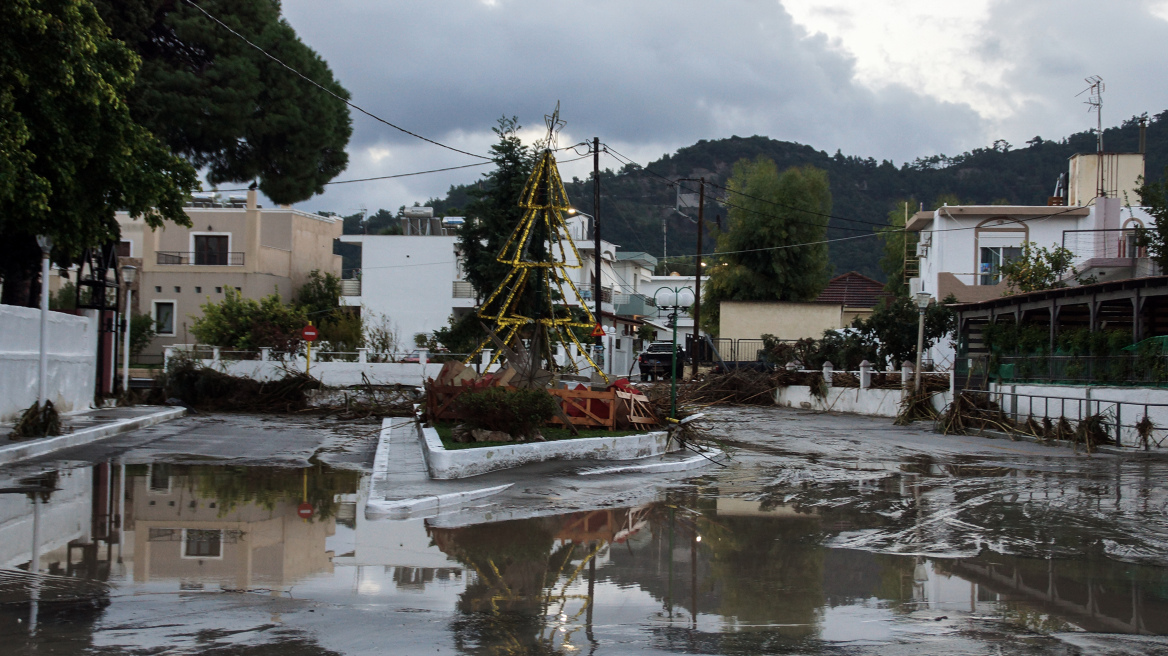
<point x="414" y="281"/>
<point x="961" y="248"/>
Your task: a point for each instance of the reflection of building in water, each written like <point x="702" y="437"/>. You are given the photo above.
<point x="1095" y="595"/>
<point x="181" y="533"/>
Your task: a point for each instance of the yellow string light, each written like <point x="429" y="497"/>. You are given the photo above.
<point x="549" y="212"/>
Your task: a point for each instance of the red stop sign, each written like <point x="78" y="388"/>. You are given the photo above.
<point x="304" y="510"/>
<point x="309" y="333"/>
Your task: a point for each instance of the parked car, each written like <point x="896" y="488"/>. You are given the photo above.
<point x="655" y="360"/>
<point x="414" y="356"/>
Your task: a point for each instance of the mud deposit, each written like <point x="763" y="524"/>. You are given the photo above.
<point x="826" y="535"/>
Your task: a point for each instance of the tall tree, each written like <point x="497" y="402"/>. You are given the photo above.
<point x="893" y="238"/>
<point x="227" y="107"/>
<point x="491" y="216"/>
<point x="772" y="242"/>
<point x="1154" y="198"/>
<point x="494" y="210"/>
<point x="70" y="153"/>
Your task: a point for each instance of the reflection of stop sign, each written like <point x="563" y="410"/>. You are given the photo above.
<point x="304" y="510"/>
<point x="309" y="333"/>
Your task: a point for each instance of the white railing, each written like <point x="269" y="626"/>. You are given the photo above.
<point x="462" y="289"/>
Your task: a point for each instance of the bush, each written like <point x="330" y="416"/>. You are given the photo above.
<point x="518" y="412"/>
<point x="247" y="324"/>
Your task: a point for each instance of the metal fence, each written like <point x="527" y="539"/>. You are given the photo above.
<point x="1116" y="370"/>
<point x="1119" y="419"/>
<point x="201" y="258"/>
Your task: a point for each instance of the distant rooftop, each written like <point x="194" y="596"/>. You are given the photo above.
<point x="853" y="290"/>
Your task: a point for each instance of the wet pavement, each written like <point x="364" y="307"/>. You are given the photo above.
<point x="825" y="535"/>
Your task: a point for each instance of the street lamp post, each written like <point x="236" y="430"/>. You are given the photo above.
<point x="673" y="298"/>
<point x="46" y="244"/>
<point x="923" y="299"/>
<point x="128" y="273"/>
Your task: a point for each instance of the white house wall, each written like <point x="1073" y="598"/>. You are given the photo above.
<point x="410" y="280"/>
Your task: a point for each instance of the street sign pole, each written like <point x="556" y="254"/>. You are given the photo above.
<point x="309" y="333"/>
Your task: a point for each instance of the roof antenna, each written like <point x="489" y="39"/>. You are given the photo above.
<point x="1095" y="104"/>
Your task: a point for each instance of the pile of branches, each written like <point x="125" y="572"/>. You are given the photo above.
<point x="735" y="387"/>
<point x="784" y="378"/>
<point x="38" y="421"/>
<point x="207" y="389"/>
<point x="969" y="412"/>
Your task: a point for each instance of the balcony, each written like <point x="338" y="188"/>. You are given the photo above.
<point x="200" y="258"/>
<point x="633" y="304"/>
<point x="1108" y="254"/>
<point x="605" y="293"/>
<point x="462" y="289"/>
<point x="351" y="287"/>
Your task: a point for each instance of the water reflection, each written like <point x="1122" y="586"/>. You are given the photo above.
<point x="696" y="571"/>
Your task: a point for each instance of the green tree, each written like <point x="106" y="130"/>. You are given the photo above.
<point x="491" y="216"/>
<point x="341" y="327"/>
<point x="248" y="324"/>
<point x="227" y="107"/>
<point x="894" y="323"/>
<point x="894" y="238"/>
<point x="1154" y="198"/>
<point x="141" y="332"/>
<point x="1038" y="268"/>
<point x="494" y="211"/>
<point x="70" y="152"/>
<point x="779" y="212"/>
<point x="319" y="295"/>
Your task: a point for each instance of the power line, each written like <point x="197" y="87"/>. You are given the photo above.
<point x="330" y="91"/>
<point x="387" y="177"/>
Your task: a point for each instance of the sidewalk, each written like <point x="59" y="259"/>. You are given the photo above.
<point x="85" y="427"/>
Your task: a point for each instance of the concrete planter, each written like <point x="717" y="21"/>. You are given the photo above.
<point x="446" y="464"/>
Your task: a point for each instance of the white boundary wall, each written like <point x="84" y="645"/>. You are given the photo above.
<point x="72" y="364"/>
<point x="1085" y="400"/>
<point x="872" y="401"/>
<point x="335" y="374"/>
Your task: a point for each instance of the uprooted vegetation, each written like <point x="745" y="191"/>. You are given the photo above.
<point x="973" y="413"/>
<point x="204" y="388"/>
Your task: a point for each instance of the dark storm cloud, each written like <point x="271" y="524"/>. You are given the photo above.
<point x="635" y="72"/>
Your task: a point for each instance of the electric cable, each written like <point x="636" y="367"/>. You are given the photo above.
<point x="330" y="91"/>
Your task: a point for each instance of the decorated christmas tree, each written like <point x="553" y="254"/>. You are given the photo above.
<point x="533" y="301"/>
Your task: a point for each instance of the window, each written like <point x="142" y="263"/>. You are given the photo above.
<point x="218" y="290"/>
<point x="992" y="259"/>
<point x="164" y="318"/>
<point x="211" y="249"/>
<point x="202" y="543"/>
<point x="157" y="289"/>
<point x="177" y="289"/>
<point x="125" y="248"/>
<point x="198" y="290"/>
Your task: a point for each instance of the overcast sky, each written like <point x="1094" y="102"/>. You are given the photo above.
<point x="889" y="79"/>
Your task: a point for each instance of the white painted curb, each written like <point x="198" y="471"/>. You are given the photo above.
<point x="696" y="461"/>
<point x="25" y="450"/>
<point x="462" y="463"/>
<point x="406" y="508"/>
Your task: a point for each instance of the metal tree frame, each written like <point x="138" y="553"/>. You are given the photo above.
<point x="530" y="251"/>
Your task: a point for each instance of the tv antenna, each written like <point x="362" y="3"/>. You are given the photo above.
<point x="1094" y="103"/>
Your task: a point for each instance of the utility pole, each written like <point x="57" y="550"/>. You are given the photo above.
<point x="596" y="288"/>
<point x="697" y="316"/>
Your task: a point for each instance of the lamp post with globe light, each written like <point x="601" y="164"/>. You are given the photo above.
<point x="46" y="244"/>
<point x="673" y="299"/>
<point x="922" y="299"/>
<point x="128" y="273"/>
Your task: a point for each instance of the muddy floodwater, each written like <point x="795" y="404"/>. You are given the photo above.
<point x="819" y="538"/>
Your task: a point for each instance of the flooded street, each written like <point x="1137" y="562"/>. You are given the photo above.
<point x="824" y="535"/>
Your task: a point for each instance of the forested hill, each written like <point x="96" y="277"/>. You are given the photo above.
<point x="635" y="202"/>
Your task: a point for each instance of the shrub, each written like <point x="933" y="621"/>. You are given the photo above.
<point x="518" y="412"/>
<point x="247" y="324"/>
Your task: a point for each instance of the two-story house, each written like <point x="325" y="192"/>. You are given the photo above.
<point x="230" y="245"/>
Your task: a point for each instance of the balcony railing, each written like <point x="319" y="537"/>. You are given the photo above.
<point x="202" y="258"/>
<point x="1103" y="244"/>
<point x="462" y="289"/>
<point x="605" y="293"/>
<point x="351" y="287"/>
